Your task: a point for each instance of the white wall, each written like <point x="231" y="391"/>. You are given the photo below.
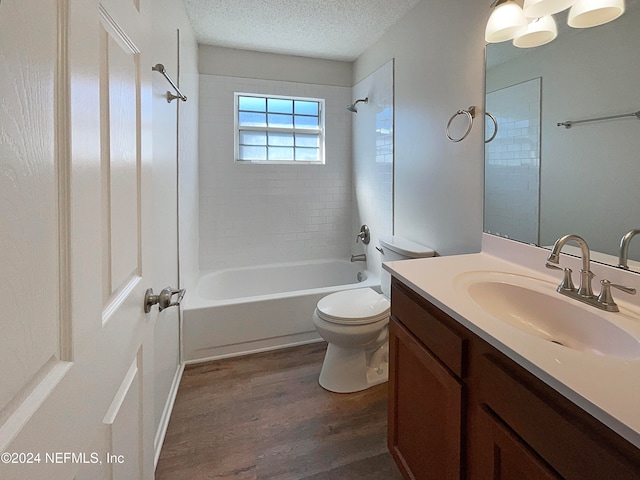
<point x="439" y="68"/>
<point x="373" y="161"/>
<point x="232" y="62"/>
<point x="260" y="214"/>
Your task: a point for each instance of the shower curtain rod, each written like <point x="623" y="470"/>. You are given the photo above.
<point x="170" y="96"/>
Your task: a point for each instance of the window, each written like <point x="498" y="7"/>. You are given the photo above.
<point x="278" y="129"/>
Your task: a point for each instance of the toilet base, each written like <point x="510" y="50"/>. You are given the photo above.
<point x="348" y="370"/>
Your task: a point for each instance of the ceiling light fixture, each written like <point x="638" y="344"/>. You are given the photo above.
<point x="542" y="8"/>
<point x="539" y="31"/>
<point x="529" y="23"/>
<point x="506" y="22"/>
<point x="591" y="13"/>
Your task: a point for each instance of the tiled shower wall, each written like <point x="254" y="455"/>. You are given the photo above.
<point x="512" y="162"/>
<point x="253" y="214"/>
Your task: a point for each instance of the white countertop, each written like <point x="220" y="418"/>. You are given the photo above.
<point x="606" y="387"/>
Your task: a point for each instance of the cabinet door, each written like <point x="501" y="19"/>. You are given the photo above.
<point x="503" y="456"/>
<point x="425" y="408"/>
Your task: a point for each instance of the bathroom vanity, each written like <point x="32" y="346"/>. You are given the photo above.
<point x="471" y="396"/>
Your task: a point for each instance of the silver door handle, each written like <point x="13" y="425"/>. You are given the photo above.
<point x="163" y="299"/>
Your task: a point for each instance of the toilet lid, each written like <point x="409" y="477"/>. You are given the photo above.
<point x="357" y="306"/>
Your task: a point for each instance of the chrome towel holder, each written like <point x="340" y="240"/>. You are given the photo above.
<point x="495" y="127"/>
<point x="570" y="123"/>
<point x="170" y="96"/>
<point x="470" y="113"/>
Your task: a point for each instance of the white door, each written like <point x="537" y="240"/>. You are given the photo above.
<point x="76" y="349"/>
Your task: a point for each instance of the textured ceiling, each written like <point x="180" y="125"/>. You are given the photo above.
<point x="332" y="29"/>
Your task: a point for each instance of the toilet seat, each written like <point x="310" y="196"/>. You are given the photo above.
<point x="358" y="306"/>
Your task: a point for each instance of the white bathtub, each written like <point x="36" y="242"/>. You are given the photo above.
<point x="246" y="310"/>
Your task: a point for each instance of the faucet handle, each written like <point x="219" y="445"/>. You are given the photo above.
<point x="567" y="281"/>
<point x="606" y="299"/>
<point x="364" y="235"/>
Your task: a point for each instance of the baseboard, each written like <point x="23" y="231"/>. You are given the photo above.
<point x="255" y="347"/>
<point x="166" y="415"/>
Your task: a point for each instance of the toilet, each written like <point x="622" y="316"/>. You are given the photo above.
<point x="355" y="325"/>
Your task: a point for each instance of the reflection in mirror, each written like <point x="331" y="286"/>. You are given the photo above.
<point x="588" y="174"/>
<point x="512" y="162"/>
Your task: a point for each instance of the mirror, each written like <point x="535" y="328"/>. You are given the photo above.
<point x="543" y="180"/>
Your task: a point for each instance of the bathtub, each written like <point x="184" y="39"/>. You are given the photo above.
<point x="246" y="310"/>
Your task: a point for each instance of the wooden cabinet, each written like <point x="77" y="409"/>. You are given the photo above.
<point x="502" y="455"/>
<point x="460" y="409"/>
<point x="425" y="410"/>
<point x="426" y="393"/>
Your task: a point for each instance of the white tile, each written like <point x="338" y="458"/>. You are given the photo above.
<point x="268" y="206"/>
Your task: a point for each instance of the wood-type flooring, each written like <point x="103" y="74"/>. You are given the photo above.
<point x="264" y="417"/>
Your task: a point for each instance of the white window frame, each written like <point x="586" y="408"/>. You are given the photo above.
<point x="320" y="131"/>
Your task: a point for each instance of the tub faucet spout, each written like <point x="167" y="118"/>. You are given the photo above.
<point x="359" y="258"/>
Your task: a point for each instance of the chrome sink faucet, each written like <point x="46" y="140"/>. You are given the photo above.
<point x="624" y="248"/>
<point x="584" y="292"/>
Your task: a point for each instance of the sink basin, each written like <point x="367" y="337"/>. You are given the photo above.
<point x="537" y="309"/>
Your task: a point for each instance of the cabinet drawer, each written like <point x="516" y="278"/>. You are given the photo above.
<point x="421" y="319"/>
<point x="576" y="444"/>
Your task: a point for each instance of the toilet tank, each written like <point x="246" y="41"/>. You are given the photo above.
<point x="398" y="248"/>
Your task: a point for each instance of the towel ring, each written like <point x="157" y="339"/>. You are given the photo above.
<point x="495" y="127"/>
<point x="471" y="113"/>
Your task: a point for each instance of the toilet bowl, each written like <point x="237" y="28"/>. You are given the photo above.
<point x="355" y="322"/>
<point x="355" y="325"/>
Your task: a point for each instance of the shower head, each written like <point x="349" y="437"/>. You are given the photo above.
<point x="352" y="107"/>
